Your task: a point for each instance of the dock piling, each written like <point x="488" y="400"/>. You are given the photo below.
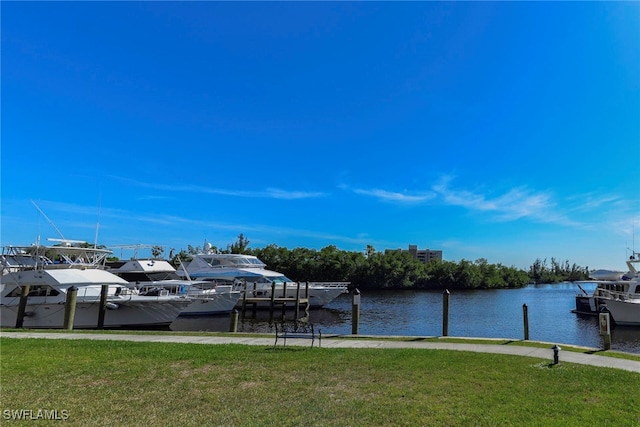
<point x="104" y="290"/>
<point x="255" y="304"/>
<point x="70" y="307"/>
<point x="233" y="321"/>
<point x="525" y="315"/>
<point x="22" y="305"/>
<point x="297" y="302"/>
<point x="604" y="321"/>
<point x="284" y="298"/>
<point x="273" y="298"/>
<point x="445" y="313"/>
<point x="306" y="293"/>
<point x="244" y="298"/>
<point x="355" y="312"/>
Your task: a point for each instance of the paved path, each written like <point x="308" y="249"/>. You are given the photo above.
<point x="337" y="342"/>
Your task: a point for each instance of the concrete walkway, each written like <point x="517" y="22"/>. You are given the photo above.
<point x="334" y="341"/>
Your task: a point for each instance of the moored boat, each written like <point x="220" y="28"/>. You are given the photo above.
<point x="248" y="273"/>
<point x="624" y="286"/>
<point x="155" y="276"/>
<point x="79" y="268"/>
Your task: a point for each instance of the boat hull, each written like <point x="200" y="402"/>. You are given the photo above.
<point x="217" y="303"/>
<point x="585" y="305"/>
<point x="624" y="312"/>
<point x="589" y="304"/>
<point x="122" y="313"/>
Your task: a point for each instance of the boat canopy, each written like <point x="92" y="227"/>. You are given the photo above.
<point x="71" y="276"/>
<point x="232" y="260"/>
<point x="146" y="265"/>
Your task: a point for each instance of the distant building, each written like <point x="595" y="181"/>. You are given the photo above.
<point x="423" y="255"/>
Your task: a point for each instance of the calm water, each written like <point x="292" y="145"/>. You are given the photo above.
<point x="486" y="313"/>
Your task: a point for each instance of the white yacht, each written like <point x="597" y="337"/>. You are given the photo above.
<point x="621" y="287"/>
<point x="624" y="305"/>
<point x="155" y="276"/>
<point x="248" y="272"/>
<point x="624" y="311"/>
<point x="49" y="282"/>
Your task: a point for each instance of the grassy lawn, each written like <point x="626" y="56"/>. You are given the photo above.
<point x="127" y="383"/>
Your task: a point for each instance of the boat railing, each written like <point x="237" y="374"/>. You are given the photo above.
<point x="614" y="292"/>
<point x="65" y="256"/>
<point x="202" y="294"/>
<point x="237" y="265"/>
<point x="20" y="258"/>
<point x="148" y="291"/>
<point x="224" y="288"/>
<point x="622" y="296"/>
<point x="335" y="285"/>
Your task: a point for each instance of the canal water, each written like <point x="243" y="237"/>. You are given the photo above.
<point x="477" y="313"/>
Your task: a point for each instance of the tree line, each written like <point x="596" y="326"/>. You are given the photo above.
<point x="540" y="272"/>
<point x="395" y="269"/>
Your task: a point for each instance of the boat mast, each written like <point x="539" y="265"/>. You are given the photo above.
<point x="48" y="220"/>
<point x="95" y="241"/>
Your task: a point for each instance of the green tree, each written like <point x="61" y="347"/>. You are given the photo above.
<point x="156" y="251"/>
<point x="240" y="246"/>
<point x="180" y="257"/>
<point x="558" y="272"/>
<point x="370" y="250"/>
<point x="392" y="269"/>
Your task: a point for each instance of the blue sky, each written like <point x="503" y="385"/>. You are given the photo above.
<point x="503" y="130"/>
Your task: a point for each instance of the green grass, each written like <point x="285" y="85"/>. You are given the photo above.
<point x="131" y="383"/>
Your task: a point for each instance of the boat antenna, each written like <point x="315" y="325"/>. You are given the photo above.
<point x="38" y="250"/>
<point x="95" y="241"/>
<point x="47" y="218"/>
<point x="633" y="239"/>
<point x="186" y="273"/>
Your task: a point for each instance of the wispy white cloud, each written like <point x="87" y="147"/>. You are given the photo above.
<point x="391" y="196"/>
<point x="271" y="193"/>
<point x="591" y="201"/>
<point x="278" y="193"/>
<point x="91" y="216"/>
<point x="516" y="203"/>
<point x="627" y="227"/>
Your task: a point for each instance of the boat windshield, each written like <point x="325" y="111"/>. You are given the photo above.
<point x="277" y="279"/>
<point x="233" y="261"/>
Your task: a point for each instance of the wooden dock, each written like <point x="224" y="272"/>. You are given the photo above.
<point x="282" y="302"/>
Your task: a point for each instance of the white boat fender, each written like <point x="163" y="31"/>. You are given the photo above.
<point x="112" y="306"/>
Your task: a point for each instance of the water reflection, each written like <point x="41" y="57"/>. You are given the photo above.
<point x="486" y="313"/>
